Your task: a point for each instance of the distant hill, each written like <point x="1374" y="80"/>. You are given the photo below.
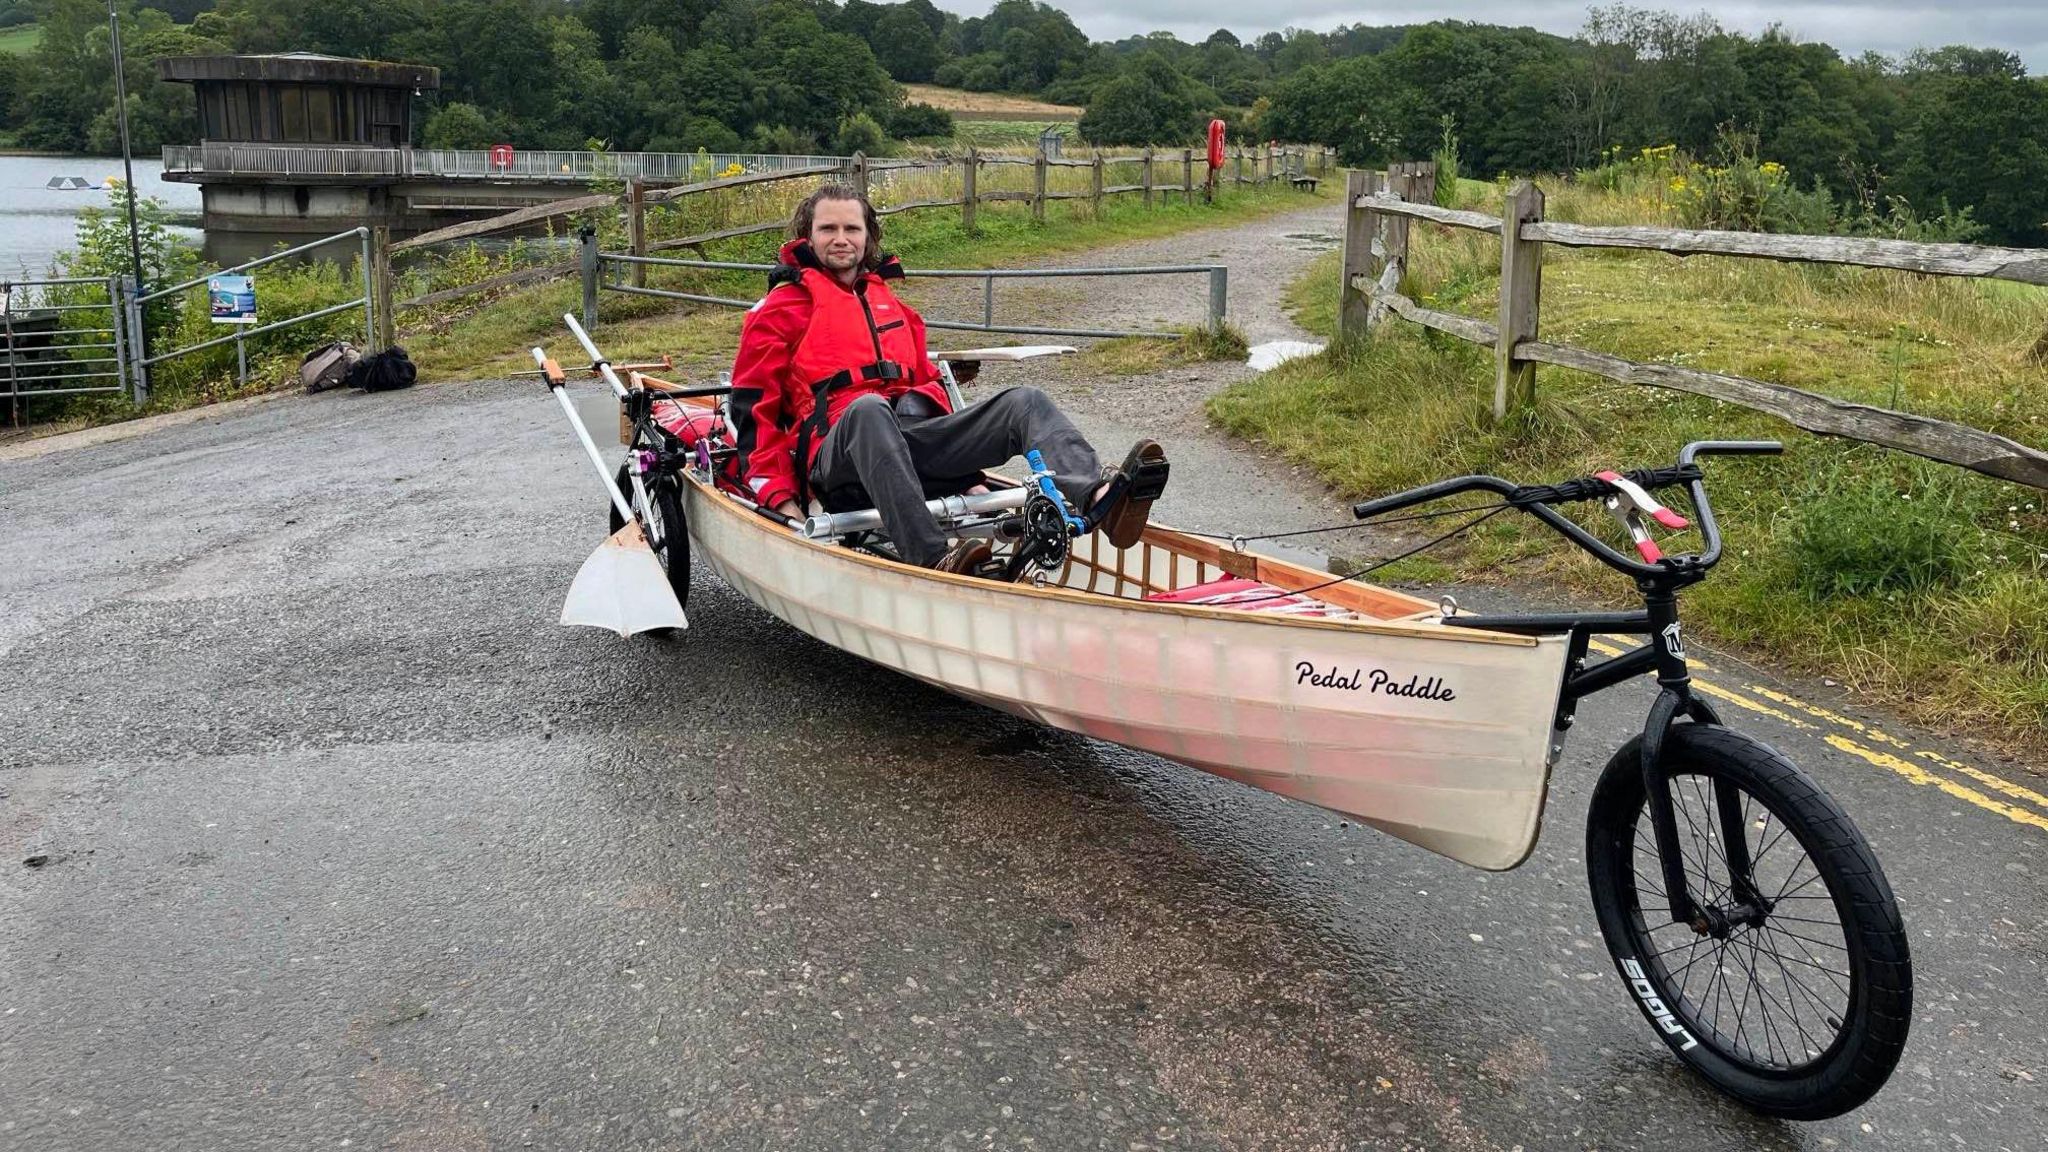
<point x="965" y="105"/>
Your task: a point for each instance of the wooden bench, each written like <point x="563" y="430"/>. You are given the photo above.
<point x="1303" y="183"/>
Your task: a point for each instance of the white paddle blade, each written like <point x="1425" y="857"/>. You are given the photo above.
<point x="622" y="587"/>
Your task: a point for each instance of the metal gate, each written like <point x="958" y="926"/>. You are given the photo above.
<point x="595" y="262"/>
<point x="239" y="337"/>
<point x="64" y="336"/>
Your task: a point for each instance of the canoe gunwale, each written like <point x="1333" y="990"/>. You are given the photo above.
<point x="1158" y="535"/>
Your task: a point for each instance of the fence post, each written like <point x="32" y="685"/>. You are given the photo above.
<point x="636" y="228"/>
<point x="121" y="362"/>
<point x="857" y="172"/>
<point x="1219" y="297"/>
<point x="383" y="321"/>
<point x="138" y="343"/>
<point x="1095" y="188"/>
<point x="967" y="194"/>
<point x="1521" y="293"/>
<point x="1401" y="182"/>
<point x="1038" y="187"/>
<point x="369" y="270"/>
<point x="1148" y="175"/>
<point x="1353" y="305"/>
<point x="588" y="236"/>
<point x="1239" y="178"/>
<point x="1424" y="190"/>
<point x="1187" y="175"/>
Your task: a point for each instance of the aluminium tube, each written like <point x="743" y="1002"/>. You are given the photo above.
<point x="945" y="510"/>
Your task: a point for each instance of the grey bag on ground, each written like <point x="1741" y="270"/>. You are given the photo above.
<point x="327" y="366"/>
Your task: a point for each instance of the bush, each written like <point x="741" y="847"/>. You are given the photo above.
<point x="1743" y="194"/>
<point x="860" y="133"/>
<point x="782" y="140"/>
<point x="1446" y="158"/>
<point x="459" y="125"/>
<point x="920" y="120"/>
<point x="1855" y="536"/>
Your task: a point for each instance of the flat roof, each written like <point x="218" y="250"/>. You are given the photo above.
<point x="298" y="68"/>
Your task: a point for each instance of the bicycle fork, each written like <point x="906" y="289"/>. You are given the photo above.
<point x="1674" y="680"/>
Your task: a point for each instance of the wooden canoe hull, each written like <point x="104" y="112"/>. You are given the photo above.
<point x="1441" y="737"/>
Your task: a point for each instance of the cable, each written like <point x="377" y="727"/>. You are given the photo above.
<point x="1344" y="527"/>
<point x="1467" y="526"/>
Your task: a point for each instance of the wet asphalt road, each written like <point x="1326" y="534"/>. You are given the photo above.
<point x="348" y="845"/>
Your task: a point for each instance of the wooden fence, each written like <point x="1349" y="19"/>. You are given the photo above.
<point x="1381" y="205"/>
<point x="1162" y="174"/>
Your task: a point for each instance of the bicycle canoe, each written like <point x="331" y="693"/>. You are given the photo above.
<point x="1442" y="737"/>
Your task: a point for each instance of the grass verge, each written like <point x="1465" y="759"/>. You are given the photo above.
<point x="1138" y="355"/>
<point x="1923" y="585"/>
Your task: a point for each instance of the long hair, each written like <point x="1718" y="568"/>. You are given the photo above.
<point x="806" y="212"/>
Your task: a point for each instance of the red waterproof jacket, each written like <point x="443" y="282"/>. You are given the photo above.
<point x="811" y="347"/>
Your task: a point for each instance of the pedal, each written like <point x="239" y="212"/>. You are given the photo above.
<point x="1148" y="480"/>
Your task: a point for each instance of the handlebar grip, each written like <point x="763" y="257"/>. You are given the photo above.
<point x="1729" y="448"/>
<point x="549" y="370"/>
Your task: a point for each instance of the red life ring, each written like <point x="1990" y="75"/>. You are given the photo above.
<point x="1215" y="144"/>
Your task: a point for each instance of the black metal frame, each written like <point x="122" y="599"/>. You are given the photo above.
<point x="1664" y="655"/>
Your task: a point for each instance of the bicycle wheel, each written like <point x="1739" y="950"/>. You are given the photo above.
<point x="667" y="530"/>
<point x="1793" y="997"/>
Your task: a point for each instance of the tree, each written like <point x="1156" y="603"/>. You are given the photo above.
<point x="905" y="45"/>
<point x="860" y="133"/>
<point x="1147" y="103"/>
<point x="1980" y="141"/>
<point x="459" y="125"/>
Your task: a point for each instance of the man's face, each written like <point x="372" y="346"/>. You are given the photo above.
<point x="839" y="234"/>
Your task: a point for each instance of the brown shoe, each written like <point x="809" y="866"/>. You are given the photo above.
<point x="965" y="557"/>
<point x="1124" y="510"/>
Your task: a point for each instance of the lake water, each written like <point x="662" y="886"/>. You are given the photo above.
<point x="37" y="221"/>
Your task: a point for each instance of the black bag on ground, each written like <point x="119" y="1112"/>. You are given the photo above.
<point x="384" y="372"/>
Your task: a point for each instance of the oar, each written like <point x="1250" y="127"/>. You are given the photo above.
<point x="621" y="586"/>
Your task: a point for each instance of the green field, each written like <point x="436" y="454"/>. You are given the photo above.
<point x="20" y="40"/>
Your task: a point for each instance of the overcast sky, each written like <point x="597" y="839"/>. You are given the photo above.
<point x="1891" y="26"/>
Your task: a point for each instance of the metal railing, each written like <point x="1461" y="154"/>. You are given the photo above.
<point x="242" y="333"/>
<point x="44" y="349"/>
<point x="235" y="159"/>
<point x="594" y="262"/>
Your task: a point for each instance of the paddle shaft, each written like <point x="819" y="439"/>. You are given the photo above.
<point x="553" y="375"/>
<point x="603" y="367"/>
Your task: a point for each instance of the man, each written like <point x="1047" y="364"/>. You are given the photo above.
<point x="833" y="392"/>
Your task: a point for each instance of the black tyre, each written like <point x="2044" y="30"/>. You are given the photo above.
<point x="1797" y="1004"/>
<point x="668" y="532"/>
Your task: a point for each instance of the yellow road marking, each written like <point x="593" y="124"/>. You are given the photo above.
<point x="1987" y="779"/>
<point x="1741" y="701"/>
<point x="1835" y="718"/>
<point x="1918" y="775"/>
<point x="1905" y="768"/>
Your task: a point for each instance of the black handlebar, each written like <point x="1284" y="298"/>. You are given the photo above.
<point x="1537" y="501"/>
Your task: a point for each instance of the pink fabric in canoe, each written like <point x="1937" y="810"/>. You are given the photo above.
<point x="1250" y="596"/>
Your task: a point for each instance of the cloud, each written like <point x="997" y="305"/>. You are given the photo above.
<point x="1892" y="28"/>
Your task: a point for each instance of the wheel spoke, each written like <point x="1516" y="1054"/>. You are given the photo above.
<point x="1772" y="1040"/>
<point x="1801" y="985"/>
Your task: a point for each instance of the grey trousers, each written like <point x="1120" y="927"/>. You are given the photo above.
<point x="891" y="458"/>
